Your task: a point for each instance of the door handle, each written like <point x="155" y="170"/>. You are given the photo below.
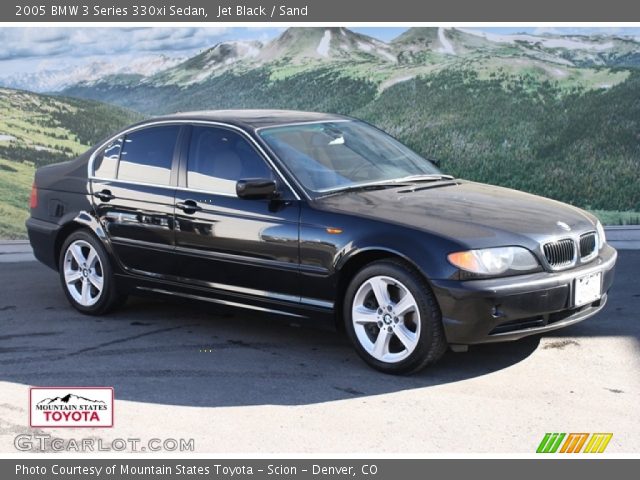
<point x="104" y="195"/>
<point x="189" y="206"/>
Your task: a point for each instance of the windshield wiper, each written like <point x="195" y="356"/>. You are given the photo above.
<point x="368" y="186"/>
<point x="424" y="178"/>
<point x="394" y="183"/>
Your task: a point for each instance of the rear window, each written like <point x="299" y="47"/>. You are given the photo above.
<point x="147" y="155"/>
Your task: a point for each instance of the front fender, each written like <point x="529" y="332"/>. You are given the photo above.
<point x="330" y="243"/>
<point x="425" y="252"/>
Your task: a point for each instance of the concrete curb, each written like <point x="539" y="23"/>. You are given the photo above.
<point x="12" y="251"/>
<point x="624" y="237"/>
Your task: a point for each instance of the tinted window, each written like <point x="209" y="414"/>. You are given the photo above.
<point x="218" y="158"/>
<point x="106" y="164"/>
<point x="147" y="155"/>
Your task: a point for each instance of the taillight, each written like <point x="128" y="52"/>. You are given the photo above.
<point x="33" y="199"/>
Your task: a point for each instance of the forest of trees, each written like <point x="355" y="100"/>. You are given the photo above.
<point x="575" y="145"/>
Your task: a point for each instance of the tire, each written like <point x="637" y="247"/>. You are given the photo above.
<point x="86" y="275"/>
<point x="393" y="319"/>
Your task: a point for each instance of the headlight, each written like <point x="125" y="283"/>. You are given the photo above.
<point x="495" y="261"/>
<point x="602" y="239"/>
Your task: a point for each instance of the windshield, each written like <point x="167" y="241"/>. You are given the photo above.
<point x="337" y="155"/>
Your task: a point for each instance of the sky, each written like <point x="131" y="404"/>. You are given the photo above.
<point x="31" y="50"/>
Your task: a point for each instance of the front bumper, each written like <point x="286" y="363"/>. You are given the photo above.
<point x="503" y="309"/>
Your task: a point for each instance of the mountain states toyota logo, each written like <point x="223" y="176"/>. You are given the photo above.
<point x="70" y="407"/>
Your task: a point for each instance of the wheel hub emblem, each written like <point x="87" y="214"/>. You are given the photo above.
<point x="85" y="272"/>
<point x="387" y="319"/>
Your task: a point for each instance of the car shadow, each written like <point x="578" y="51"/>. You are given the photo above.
<point x="254" y="360"/>
<point x="186" y="353"/>
<point x="192" y="354"/>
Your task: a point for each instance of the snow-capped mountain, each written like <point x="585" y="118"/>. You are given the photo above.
<point x="337" y="43"/>
<point x="578" y="50"/>
<point x="433" y="44"/>
<point x="68" y="399"/>
<point x="54" y="80"/>
<point x="295" y="46"/>
<point x="414" y="52"/>
<point x="425" y="47"/>
<point x="220" y="57"/>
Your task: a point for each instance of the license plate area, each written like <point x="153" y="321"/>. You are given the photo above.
<point x="587" y="289"/>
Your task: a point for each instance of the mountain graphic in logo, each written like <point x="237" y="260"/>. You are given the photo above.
<point x="70" y="407"/>
<point x="68" y="399"/>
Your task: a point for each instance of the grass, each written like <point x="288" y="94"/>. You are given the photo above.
<point x="563" y="77"/>
<point x="15" y="187"/>
<point x="27" y="118"/>
<point x="39" y="129"/>
<point x="24" y="117"/>
<point x="614" y="217"/>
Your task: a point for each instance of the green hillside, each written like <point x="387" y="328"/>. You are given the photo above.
<point x="36" y="130"/>
<point x="567" y="141"/>
<point x="555" y="115"/>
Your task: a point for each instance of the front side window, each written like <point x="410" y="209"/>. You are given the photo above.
<point x="147" y="155"/>
<point x="333" y="155"/>
<point x="218" y="158"/>
<point x="106" y="163"/>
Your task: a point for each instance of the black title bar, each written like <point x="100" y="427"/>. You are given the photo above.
<point x="319" y="11"/>
<point x="370" y="469"/>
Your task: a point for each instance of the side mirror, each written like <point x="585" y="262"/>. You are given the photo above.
<point x="256" y="188"/>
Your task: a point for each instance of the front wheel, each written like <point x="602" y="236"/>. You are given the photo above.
<point x="86" y="275"/>
<point x="393" y="318"/>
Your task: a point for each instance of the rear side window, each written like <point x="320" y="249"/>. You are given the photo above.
<point x="106" y="164"/>
<point x="147" y="155"/>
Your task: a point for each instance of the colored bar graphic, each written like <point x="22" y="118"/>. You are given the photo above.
<point x="574" y="443"/>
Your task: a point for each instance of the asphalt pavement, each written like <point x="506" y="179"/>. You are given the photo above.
<point x="240" y="383"/>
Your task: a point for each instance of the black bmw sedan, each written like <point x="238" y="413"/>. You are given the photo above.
<point x="320" y="217"/>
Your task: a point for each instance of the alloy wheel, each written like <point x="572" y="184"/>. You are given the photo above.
<point x="386" y="319"/>
<point x="83" y="273"/>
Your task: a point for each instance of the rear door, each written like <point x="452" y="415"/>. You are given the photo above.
<point x="236" y="246"/>
<point x="133" y="190"/>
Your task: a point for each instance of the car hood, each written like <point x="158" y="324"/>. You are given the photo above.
<point x="474" y="214"/>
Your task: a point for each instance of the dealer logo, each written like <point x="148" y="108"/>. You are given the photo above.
<point x="70" y="407"/>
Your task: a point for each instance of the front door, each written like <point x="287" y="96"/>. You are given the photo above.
<point x="236" y="246"/>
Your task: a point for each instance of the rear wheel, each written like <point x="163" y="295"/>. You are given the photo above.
<point x="393" y="318"/>
<point x="86" y="275"/>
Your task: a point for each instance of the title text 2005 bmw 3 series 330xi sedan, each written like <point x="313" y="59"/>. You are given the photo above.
<point x="321" y="217"/>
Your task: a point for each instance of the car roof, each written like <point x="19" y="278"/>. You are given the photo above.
<point x="252" y="119"/>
